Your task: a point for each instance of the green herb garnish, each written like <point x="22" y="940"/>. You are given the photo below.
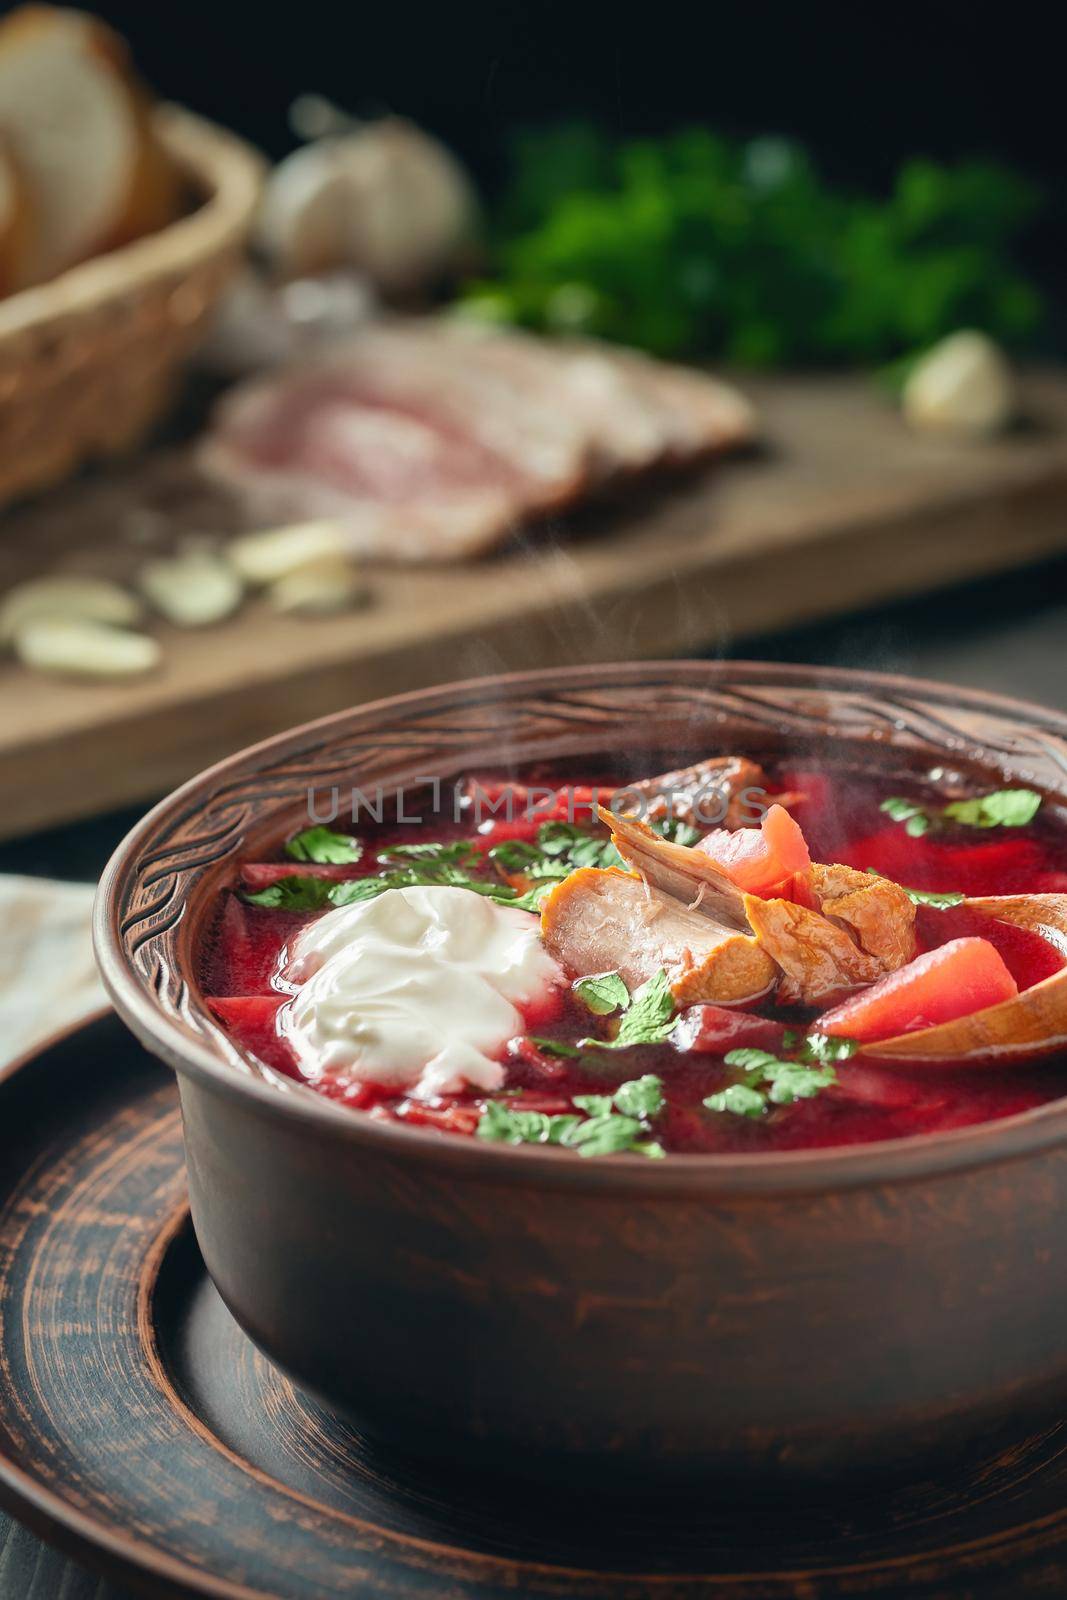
<point x="454" y="852"/>
<point x="595" y="1105"/>
<point x="739" y="1099"/>
<point x="648" y="1019"/>
<point x="1005" y="808"/>
<point x="821" y="1048"/>
<point x="407" y="866"/>
<point x="505" y="1126"/>
<point x="612" y="1123"/>
<point x="294" y="893"/>
<point x="561" y="848"/>
<point x="641" y="1097"/>
<point x="324" y="846"/>
<point x="554" y="1047"/>
<point x="767" y="1079"/>
<point x="915" y="818"/>
<point x="602" y="994"/>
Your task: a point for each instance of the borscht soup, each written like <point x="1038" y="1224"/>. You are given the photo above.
<point x="726" y="958"/>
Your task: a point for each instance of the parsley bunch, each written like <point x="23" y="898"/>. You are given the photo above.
<point x="696" y="244"/>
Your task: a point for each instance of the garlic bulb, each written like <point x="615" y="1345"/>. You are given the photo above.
<point x="385" y="198"/>
<point x="962" y="387"/>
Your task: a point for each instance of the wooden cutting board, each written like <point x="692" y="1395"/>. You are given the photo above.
<point x="842" y="507"/>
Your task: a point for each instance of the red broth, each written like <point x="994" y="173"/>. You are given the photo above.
<point x="842" y="820"/>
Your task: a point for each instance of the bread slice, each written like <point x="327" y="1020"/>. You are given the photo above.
<point x="79" y="128"/>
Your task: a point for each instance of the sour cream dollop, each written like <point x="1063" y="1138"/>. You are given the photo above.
<point x="417" y="989"/>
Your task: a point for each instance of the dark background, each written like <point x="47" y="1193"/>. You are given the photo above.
<point x="865" y="85"/>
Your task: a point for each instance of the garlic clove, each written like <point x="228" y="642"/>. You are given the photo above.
<point x="319" y="588"/>
<point x="77" y="648"/>
<point x="193" y="589"/>
<point x="87" y="599"/>
<point x="963" y="387"/>
<point x="263" y="558"/>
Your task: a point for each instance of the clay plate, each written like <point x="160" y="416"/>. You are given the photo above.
<point x="142" y="1431"/>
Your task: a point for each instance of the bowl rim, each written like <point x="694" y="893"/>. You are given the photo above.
<point x="913" y="1158"/>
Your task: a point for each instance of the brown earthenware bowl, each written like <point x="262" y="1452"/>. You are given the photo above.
<point x="812" y="1311"/>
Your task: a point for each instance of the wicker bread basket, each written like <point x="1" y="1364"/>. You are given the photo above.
<point x="89" y="361"/>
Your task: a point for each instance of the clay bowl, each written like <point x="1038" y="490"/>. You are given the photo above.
<point x="810" y="1312"/>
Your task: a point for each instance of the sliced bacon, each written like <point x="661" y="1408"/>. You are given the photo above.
<point x="426" y="446"/>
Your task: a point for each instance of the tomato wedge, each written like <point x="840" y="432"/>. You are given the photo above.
<point x="764" y="860"/>
<point x="955" y="980"/>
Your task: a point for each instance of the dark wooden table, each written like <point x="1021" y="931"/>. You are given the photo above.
<point x="1008" y="634"/>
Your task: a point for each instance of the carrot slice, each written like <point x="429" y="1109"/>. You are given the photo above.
<point x="955" y="980"/>
<point x="763" y="861"/>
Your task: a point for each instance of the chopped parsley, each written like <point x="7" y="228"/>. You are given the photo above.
<point x="641" y="1097"/>
<point x="560" y="849"/>
<point x="767" y="1080"/>
<point x="1005" y="808"/>
<point x="407" y="866"/>
<point x="613" y="1123"/>
<point x="602" y="994"/>
<point x="441" y="853"/>
<point x="822" y="1049"/>
<point x="648" y="1018"/>
<point x="324" y="846"/>
<point x="554" y="1047"/>
<point x="739" y="1099"/>
<point x="294" y="893"/>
